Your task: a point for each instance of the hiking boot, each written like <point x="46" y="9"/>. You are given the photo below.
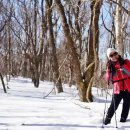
<point x="123" y="119"/>
<point x="107" y="121"/>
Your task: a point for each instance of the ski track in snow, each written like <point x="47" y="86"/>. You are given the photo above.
<point x="23" y="108"/>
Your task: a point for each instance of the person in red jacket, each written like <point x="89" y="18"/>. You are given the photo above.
<point x="118" y="73"/>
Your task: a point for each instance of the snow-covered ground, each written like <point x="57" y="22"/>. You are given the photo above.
<point x="23" y="108"/>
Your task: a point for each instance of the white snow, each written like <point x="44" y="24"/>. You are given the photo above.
<point x="23" y="108"/>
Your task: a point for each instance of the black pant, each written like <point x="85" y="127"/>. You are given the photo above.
<point x="125" y="95"/>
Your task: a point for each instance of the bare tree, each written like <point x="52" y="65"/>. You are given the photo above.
<point x="83" y="85"/>
<point x="55" y="65"/>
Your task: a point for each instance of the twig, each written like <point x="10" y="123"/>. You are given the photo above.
<point x="58" y="77"/>
<point x="48" y="93"/>
<point x="82" y="106"/>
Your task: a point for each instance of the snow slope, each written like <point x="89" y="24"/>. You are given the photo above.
<point x="23" y="108"/>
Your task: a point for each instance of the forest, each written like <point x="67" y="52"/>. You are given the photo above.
<point x="62" y="41"/>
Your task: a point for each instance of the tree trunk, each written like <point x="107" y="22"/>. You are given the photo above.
<point x="118" y="27"/>
<point x="70" y="45"/>
<point x="93" y="46"/>
<point x="24" y="72"/>
<point x="36" y="58"/>
<point x="84" y="87"/>
<point x="3" y="83"/>
<point x="44" y="41"/>
<point x="55" y="65"/>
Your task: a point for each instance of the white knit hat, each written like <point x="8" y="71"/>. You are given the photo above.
<point x="109" y="51"/>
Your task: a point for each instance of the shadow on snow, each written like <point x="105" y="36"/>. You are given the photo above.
<point x="75" y="125"/>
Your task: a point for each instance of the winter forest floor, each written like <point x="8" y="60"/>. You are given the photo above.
<point x="23" y="108"/>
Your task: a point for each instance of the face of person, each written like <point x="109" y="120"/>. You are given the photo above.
<point x="114" y="56"/>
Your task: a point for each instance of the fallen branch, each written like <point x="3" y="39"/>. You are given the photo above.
<point x="82" y="106"/>
<point x="58" y="77"/>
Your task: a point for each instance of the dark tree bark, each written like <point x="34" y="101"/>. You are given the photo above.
<point x="55" y="65"/>
<point x="3" y="83"/>
<point x="43" y="39"/>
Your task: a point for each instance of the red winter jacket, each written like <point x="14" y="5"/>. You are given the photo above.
<point x="121" y="77"/>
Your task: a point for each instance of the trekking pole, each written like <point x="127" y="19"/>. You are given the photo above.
<point x="115" y="109"/>
<point x="105" y="106"/>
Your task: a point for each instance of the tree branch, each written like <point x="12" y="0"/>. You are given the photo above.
<point x="127" y="11"/>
